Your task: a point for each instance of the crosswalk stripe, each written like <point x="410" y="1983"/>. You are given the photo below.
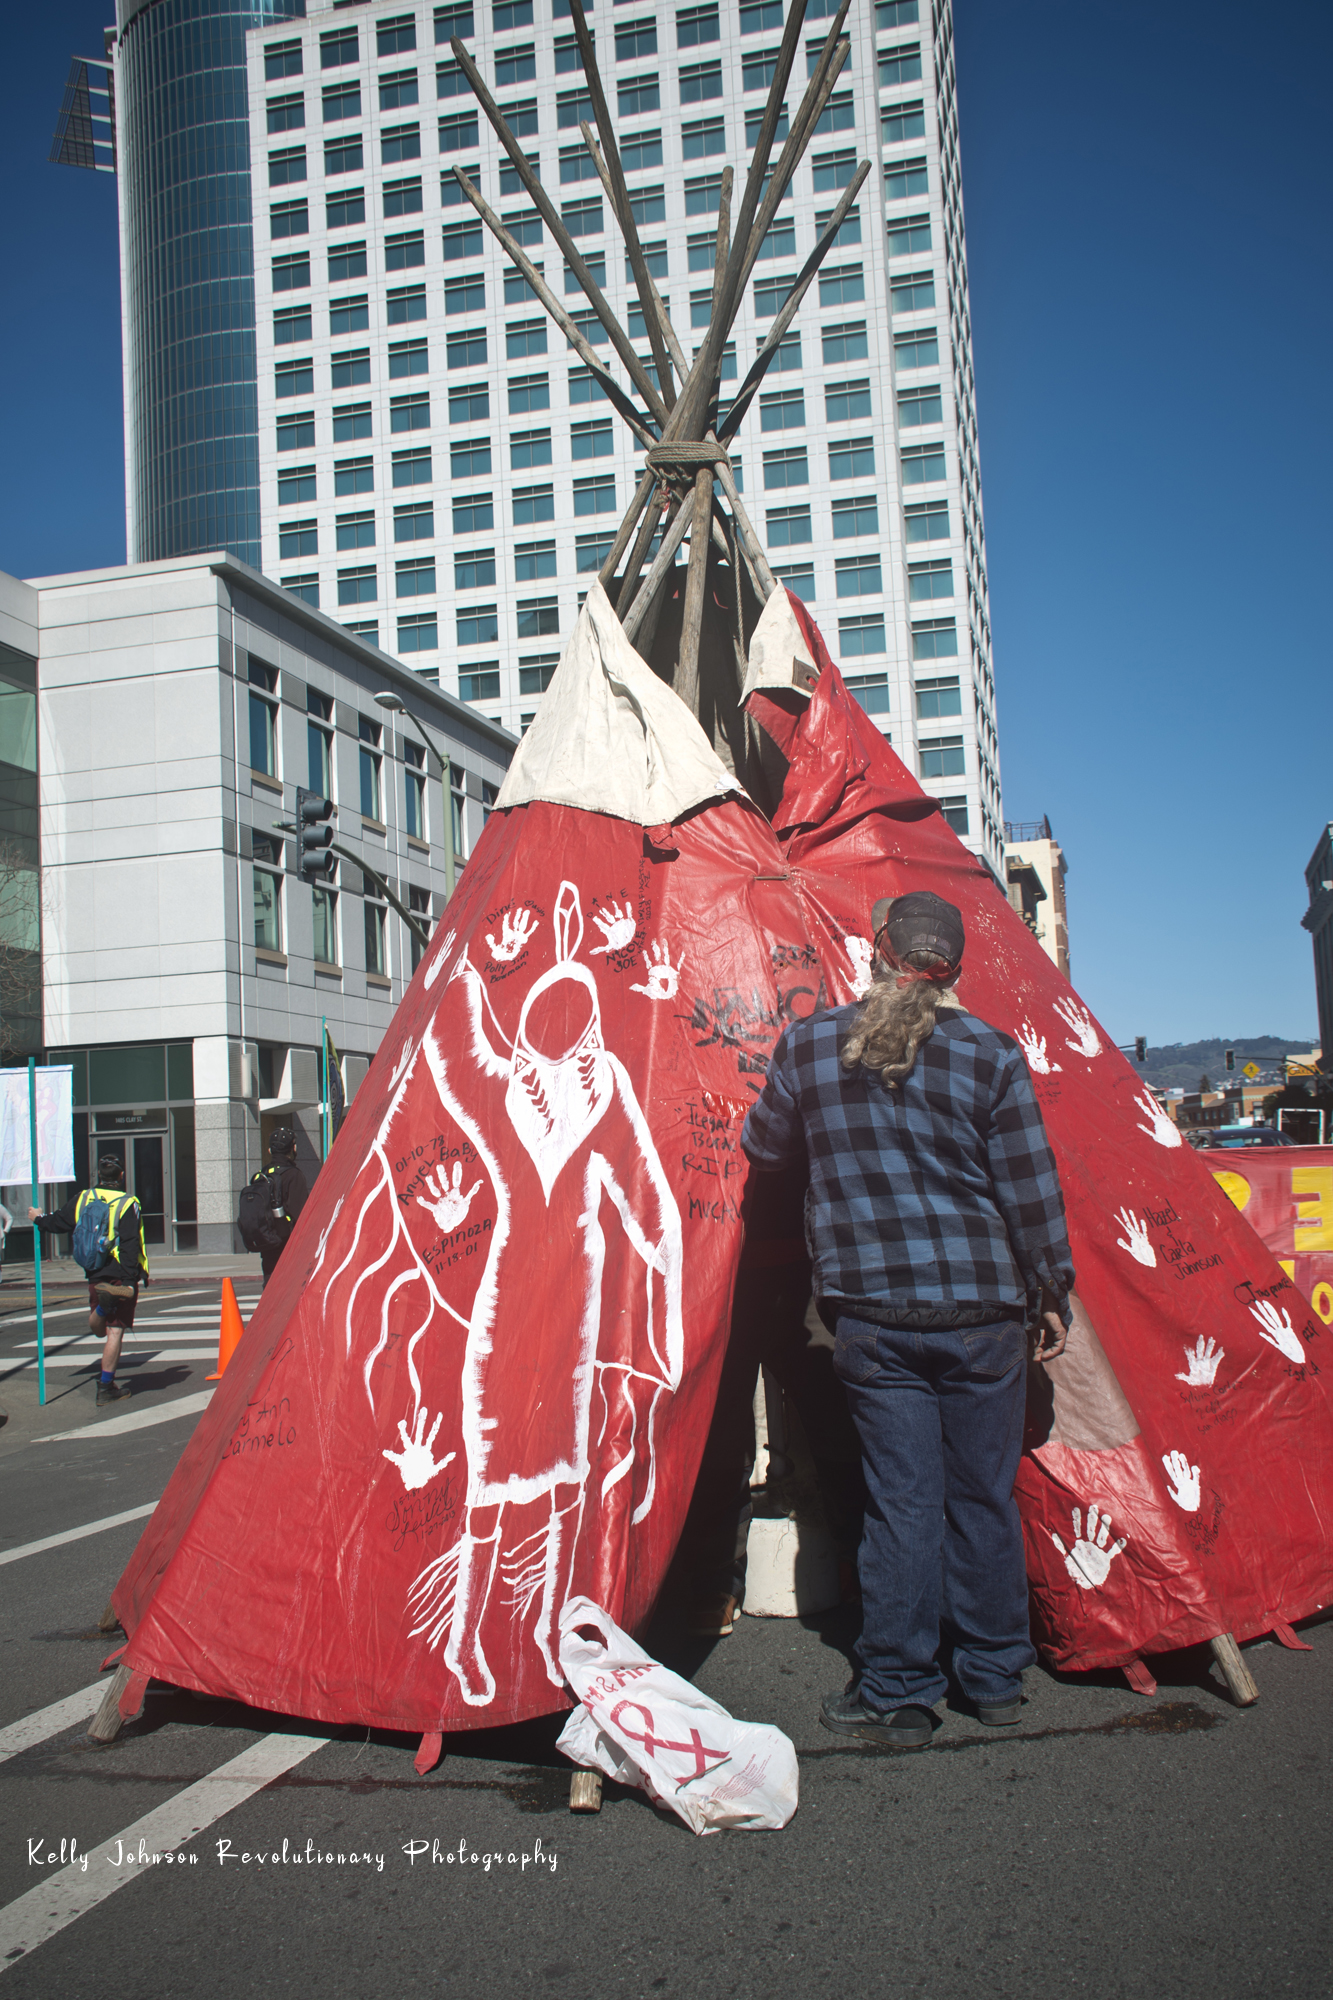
<point x="44" y="1722"/>
<point x="134" y="1420"/>
<point x="76" y="1534"/>
<point x="57" y="1901"/>
<point x="88" y="1359"/>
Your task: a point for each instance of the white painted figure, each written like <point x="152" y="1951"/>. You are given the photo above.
<point x="1086" y="1040"/>
<point x="1183" y="1479"/>
<point x="861" y="957"/>
<point x="1135" y="1239"/>
<point x="1089" y="1561"/>
<point x="1202" y="1362"/>
<point x="663" y="976"/>
<point x="1276" y="1328"/>
<point x="1160" y="1128"/>
<point x="1033" y="1046"/>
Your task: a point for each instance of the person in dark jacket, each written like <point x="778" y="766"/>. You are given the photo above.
<point x="937" y="1234"/>
<point x="113" y="1288"/>
<point x="289" y="1192"/>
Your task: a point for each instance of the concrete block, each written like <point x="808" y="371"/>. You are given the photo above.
<point x="791" y="1568"/>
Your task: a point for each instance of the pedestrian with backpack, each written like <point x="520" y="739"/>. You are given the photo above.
<point x="272" y="1200"/>
<point x="107" y="1227"/>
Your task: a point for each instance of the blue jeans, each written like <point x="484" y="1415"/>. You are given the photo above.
<point x="940" y="1417"/>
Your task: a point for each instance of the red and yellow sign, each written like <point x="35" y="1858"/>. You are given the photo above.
<point x="1285" y="1193"/>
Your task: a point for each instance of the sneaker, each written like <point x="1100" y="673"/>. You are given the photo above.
<point x="907" y="1728"/>
<point x="111" y="1392"/>
<point x="712" y="1617"/>
<point x="1000" y="1714"/>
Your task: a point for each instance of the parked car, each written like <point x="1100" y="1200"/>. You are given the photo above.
<point x="1246" y="1135"/>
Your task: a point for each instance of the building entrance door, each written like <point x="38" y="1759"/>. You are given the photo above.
<point x="149" y="1185"/>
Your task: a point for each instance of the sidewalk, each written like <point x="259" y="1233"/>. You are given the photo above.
<point x="62" y="1278"/>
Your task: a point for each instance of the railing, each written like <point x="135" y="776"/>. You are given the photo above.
<point x="1028" y="829"/>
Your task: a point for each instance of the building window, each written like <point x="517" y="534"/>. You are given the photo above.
<point x="901" y="121"/>
<point x="342" y="100"/>
<point x="454" y="22"/>
<point x="855" y="517"/>
<point x="414" y="790"/>
<point x="779" y="242"/>
<point x="353" y="475"/>
<point x="568" y="57"/>
<point x="533" y="504"/>
<point x="786" y="468"/>
<point x="900" y="65"/>
<point x="395" y="36"/>
<point x="415" y="578"/>
<point x="263" y="683"/>
<point x="338" y="49"/>
<point x="399" y="90"/>
<point x="470" y="459"/>
<point x="409" y="413"/>
<point x="295" y="485"/>
<point x="349" y="370"/>
<point x="538" y="617"/>
<point x="268" y="894"/>
<point x="928" y="521"/>
<point x="368" y="734"/>
<point x="918" y="349"/>
<point x="782" y="412"/>
<point x="833" y="171"/>
<point x="639" y="154"/>
<point x="510" y="183"/>
<point x="572" y="107"/>
<point x="296" y="433"/>
<point x="788" y="526"/>
<point x="839" y="114"/>
<point x="754" y="120"/>
<point x="935" y="639"/>
<point x="418" y="902"/>
<point x="515" y="65"/>
<point x="319" y="742"/>
<point x="584" y="387"/>
<point x="903" y="178"/>
<point x="474" y="569"/>
<point x="400" y="142"/>
<point x="325" y="907"/>
<point x="895" y="13"/>
<point x="281" y="59"/>
<point x="533" y="561"/>
<point x="294" y="378"/>
<point x="769" y="294"/>
<point x="525" y="337"/>
<point x="848" y="342"/>
<point x="922" y="463"/>
<point x="286" y="166"/>
<point x="906" y="238"/>
<point x="590" y="552"/>
<point x="842" y="286"/>
<point x="474" y="515"/>
<point x="536" y="672"/>
<point x="344" y="211"/>
<point x="419" y="633"/>
<point x="758" y="68"/>
<point x="527" y="449"/>
<point x="458" y="132"/>
<point x="852" y="458"/>
<point x="346" y="263"/>
<point x="583" y="218"/>
<point x="844" y="402"/>
<point x="634" y="40"/>
<point x="591" y="440"/>
<point x="402" y="197"/>
<point x="699" y="82"/>
<point x="695" y="25"/>
<point x="944" y="758"/>
<point x="699" y="141"/>
<point x="288" y="218"/>
<point x="466" y="350"/>
<point x="469" y="403"/>
<point x="919" y="406"/>
<point x="649" y="204"/>
<point x="938" y="697"/>
<point x="858" y="576"/>
<point x="376" y="926"/>
<point x="304" y="587"/>
<point x="406" y="304"/>
<point x="858" y="637"/>
<point x="849" y="231"/>
<point x="401" y="253"/>
<point x="351" y="421"/>
<point x="459" y="240"/>
<point x="478" y="625"/>
<point x="292" y="273"/>
<point x="408" y="357"/>
<point x="356" y="531"/>
<point x="349" y="316"/>
<point x="595" y="496"/>
<point x="871" y="690"/>
<point x="465" y="295"/>
<point x="297" y="538"/>
<point x="929" y="579"/>
<point x="526" y="393"/>
<point x="357" y="586"/>
<point x="757" y="15"/>
<point x="517" y="290"/>
<point x="954" y="814"/>
<point x="414" y="522"/>
<point x="479" y="684"/>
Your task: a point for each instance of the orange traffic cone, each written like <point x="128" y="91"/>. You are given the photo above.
<point x="230" y="1330"/>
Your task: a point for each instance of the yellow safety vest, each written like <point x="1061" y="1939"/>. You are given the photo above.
<point x="117" y="1202"/>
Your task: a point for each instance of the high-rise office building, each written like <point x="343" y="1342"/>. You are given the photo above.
<point x="434" y="467"/>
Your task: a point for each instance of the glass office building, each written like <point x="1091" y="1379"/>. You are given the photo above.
<point x="187" y="274"/>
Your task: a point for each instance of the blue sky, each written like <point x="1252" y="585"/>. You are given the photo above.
<point x="1147" y="196"/>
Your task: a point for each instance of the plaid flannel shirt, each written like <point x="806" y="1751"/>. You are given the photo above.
<point x="942" y="1189"/>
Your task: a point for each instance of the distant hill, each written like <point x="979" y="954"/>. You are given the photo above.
<point x="1179" y="1065"/>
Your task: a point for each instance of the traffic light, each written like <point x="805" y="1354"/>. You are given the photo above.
<point x="313" y="836"/>
<point x="1230" y="1058"/>
<point x="1140" y="1048"/>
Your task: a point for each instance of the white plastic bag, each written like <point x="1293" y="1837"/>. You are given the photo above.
<point x="644" y="1726"/>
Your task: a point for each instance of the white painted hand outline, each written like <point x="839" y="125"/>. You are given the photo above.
<point x="1089" y="1562"/>
<point x="663" y="976"/>
<point x="1138" y="1246"/>
<point x="861" y="957"/>
<point x="1276" y="1329"/>
<point x="1086" y="1041"/>
<point x="515" y="931"/>
<point x="447" y="1202"/>
<point x="416" y="1460"/>
<point x="1161" y="1129"/>
<point x="1033" y="1046"/>
<point x="1202" y="1364"/>
<point x="1184" y="1480"/>
<point x="617" y="927"/>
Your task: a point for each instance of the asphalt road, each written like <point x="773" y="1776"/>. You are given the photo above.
<point x="1112" y="1845"/>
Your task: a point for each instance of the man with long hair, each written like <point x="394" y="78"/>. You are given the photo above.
<point x="937" y="1233"/>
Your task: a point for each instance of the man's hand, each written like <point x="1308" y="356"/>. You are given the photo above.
<point x="34" y="1215"/>
<point x="1052" y="1333"/>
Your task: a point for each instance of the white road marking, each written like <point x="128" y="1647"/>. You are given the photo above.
<point x="88" y="1359"/>
<point x="134" y="1420"/>
<point x="138" y="1337"/>
<point x="50" y="1721"/>
<point x="62" y="1897"/>
<point x="76" y="1534"/>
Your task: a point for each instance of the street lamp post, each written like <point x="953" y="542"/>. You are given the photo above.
<point x="397" y="706"/>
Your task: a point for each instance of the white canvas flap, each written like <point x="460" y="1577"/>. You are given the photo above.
<point x="779" y="656"/>
<point x="610" y="737"/>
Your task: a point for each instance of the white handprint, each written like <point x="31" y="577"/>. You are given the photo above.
<point x="861" y="957"/>
<point x="1161" y="1129"/>
<point x="663" y="976"/>
<point x="1033" y="1046"/>
<point x="1276" y="1329"/>
<point x="1138" y="1245"/>
<point x="1087" y="1042"/>
<point x="1089" y="1562"/>
<point x="1184" y="1480"/>
<point x="447" y="1203"/>
<point x="1202" y="1364"/>
<point x="617" y="928"/>
<point x="514" y="934"/>
<point x="416" y="1460"/>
